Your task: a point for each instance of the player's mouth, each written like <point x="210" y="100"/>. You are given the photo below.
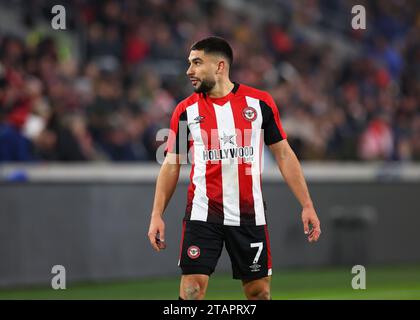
<point x="194" y="82"/>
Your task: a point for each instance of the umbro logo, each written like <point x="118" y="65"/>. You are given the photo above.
<point x="199" y="119"/>
<point x="255" y="267"/>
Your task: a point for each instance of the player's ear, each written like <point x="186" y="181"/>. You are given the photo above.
<point x="221" y="66"/>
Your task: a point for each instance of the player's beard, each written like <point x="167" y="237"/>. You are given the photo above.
<point x="205" y="86"/>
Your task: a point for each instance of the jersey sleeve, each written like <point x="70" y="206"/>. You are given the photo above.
<point x="273" y="130"/>
<point x="178" y="132"/>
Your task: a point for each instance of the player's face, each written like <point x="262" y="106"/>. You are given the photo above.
<point x="202" y="71"/>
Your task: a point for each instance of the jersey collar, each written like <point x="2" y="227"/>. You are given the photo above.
<point x="226" y="98"/>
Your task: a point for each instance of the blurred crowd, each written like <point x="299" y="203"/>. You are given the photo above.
<point x="105" y="96"/>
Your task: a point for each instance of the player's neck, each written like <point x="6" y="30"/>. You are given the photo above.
<point x="221" y="89"/>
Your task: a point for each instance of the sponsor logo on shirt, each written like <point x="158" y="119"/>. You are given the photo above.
<point x="246" y="152"/>
<point x="228" y="139"/>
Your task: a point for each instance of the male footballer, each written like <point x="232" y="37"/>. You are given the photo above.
<point x="226" y="124"/>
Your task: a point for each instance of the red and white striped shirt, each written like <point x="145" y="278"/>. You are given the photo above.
<point x="224" y="140"/>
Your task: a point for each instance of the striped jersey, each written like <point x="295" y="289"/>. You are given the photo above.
<point x="223" y="138"/>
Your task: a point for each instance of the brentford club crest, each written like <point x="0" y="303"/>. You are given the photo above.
<point x="193" y="252"/>
<point x="249" y="113"/>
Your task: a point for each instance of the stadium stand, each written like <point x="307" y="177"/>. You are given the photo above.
<point x="102" y="88"/>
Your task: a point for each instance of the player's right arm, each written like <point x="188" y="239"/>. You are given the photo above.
<point x="175" y="151"/>
<point x="165" y="187"/>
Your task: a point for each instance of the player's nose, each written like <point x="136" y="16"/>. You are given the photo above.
<point x="190" y="71"/>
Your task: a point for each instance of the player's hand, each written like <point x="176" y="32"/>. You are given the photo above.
<point x="157" y="233"/>
<point x="311" y="224"/>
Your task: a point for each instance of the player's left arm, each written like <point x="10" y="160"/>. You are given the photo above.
<point x="292" y="173"/>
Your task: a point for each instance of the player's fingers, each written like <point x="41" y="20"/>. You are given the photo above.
<point x="152" y="239"/>
<point x="305" y="226"/>
<point x="161" y="244"/>
<point x="162" y="233"/>
<point x="318" y="233"/>
<point x="154" y="244"/>
<point x="314" y="235"/>
<point x="317" y="229"/>
<point x="316" y="226"/>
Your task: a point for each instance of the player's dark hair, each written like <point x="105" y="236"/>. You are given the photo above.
<point x="215" y="45"/>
